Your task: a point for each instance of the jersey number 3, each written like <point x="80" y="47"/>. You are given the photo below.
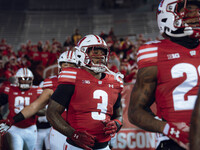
<point x="102" y="106"/>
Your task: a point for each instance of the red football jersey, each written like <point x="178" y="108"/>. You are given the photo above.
<point x="18" y="99"/>
<point x="92" y="101"/>
<point x="177" y="78"/>
<point x="52" y="83"/>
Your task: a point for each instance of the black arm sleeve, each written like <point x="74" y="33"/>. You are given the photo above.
<point x="3" y="99"/>
<point x="117" y="104"/>
<point x="63" y="94"/>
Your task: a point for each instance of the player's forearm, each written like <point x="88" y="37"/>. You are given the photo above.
<point x="138" y="113"/>
<point x="195" y="126"/>
<point x="118" y="114"/>
<point x="37" y="105"/>
<point x="32" y="109"/>
<point x="54" y="112"/>
<point x="145" y="120"/>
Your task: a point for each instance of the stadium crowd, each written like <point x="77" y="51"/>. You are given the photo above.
<point x="39" y="56"/>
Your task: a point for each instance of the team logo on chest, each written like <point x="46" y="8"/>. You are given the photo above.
<point x="15" y="93"/>
<point x="86" y="81"/>
<point x="173" y="56"/>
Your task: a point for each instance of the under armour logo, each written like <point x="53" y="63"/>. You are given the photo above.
<point x="111" y="85"/>
<point x="175" y="132"/>
<point x="76" y="136"/>
<point x="197" y="34"/>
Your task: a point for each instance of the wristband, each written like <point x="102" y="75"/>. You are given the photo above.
<point x="118" y="123"/>
<point x="18" y="117"/>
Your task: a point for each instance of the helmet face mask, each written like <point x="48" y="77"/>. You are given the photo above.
<point x="25" y="82"/>
<point x="24" y="78"/>
<point x="178" y="18"/>
<point x="92" y="52"/>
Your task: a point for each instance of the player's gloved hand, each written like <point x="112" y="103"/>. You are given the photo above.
<point x="5" y="125"/>
<point x="83" y="139"/>
<point x="112" y="126"/>
<point x="178" y="132"/>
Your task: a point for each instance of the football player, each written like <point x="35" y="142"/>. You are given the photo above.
<point x="21" y="135"/>
<point x="169" y="75"/>
<point x="91" y="96"/>
<point x="57" y="140"/>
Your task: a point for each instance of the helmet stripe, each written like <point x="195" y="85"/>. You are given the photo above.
<point x="79" y="43"/>
<point x="98" y="40"/>
<point x="24" y="71"/>
<point x="101" y="40"/>
<point x="71" y="53"/>
<point x="68" y="53"/>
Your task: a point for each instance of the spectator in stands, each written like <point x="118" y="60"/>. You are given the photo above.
<point x="22" y="51"/>
<point x="76" y="37"/>
<point x="40" y="46"/>
<point x="24" y="62"/>
<point x="56" y="43"/>
<point x="109" y="41"/>
<point x="114" y="60"/>
<point x="112" y="34"/>
<point x="68" y="43"/>
<point x="14" y="64"/>
<point x="8" y="71"/>
<point x="103" y="35"/>
<point x="45" y="54"/>
<point x="3" y="45"/>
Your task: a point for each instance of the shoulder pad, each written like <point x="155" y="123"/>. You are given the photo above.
<point x="147" y="55"/>
<point x="68" y="75"/>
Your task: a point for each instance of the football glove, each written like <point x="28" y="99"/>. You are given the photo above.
<point x="5" y="125"/>
<point x="178" y="132"/>
<point x="83" y="139"/>
<point x="112" y="126"/>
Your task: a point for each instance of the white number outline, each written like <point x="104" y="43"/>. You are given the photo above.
<point x="97" y="94"/>
<point x="20" y="102"/>
<point x="179" y="92"/>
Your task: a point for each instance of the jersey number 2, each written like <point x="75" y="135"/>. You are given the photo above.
<point x="179" y="99"/>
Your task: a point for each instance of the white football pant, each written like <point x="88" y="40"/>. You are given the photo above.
<point x="57" y="140"/>
<point x="43" y="139"/>
<point x="22" y="138"/>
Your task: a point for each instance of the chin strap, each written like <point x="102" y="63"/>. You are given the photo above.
<point x="117" y="75"/>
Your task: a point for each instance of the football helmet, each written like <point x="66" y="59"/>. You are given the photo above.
<point x="176" y="19"/>
<point x="85" y="46"/>
<point x="24" y="78"/>
<point x="68" y="57"/>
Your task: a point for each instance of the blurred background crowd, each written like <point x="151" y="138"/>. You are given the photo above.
<point x="43" y="54"/>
